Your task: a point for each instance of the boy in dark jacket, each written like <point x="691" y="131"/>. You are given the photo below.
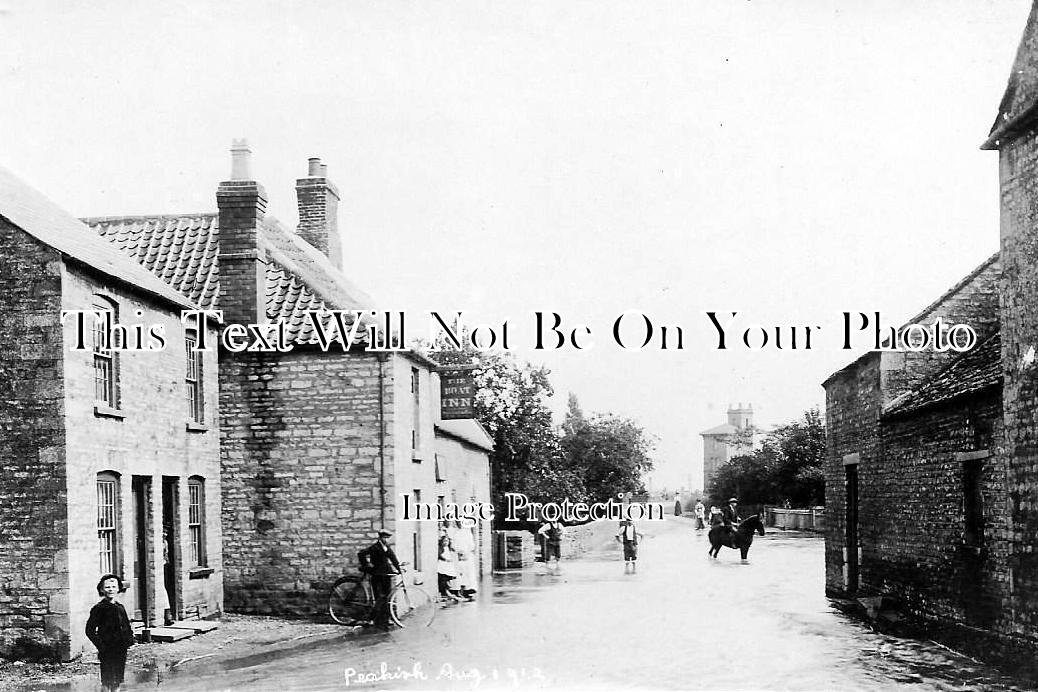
<point x="109" y="629"/>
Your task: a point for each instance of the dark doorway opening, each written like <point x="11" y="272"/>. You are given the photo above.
<point x="852" y="527"/>
<point x="170" y="542"/>
<point x="141" y="586"/>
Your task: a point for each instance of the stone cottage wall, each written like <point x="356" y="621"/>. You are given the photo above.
<point x="854" y="403"/>
<point x="145" y="440"/>
<point x="301" y="464"/>
<point x="1019" y="231"/>
<point x="34" y="610"/>
<point x="913" y="535"/>
<point x="855" y="398"/>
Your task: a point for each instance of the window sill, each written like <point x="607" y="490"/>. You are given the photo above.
<point x="197" y="427"/>
<point x="199" y="573"/>
<point x="102" y="411"/>
<point x="416" y="457"/>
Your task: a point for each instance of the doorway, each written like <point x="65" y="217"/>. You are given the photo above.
<point x="851" y="577"/>
<point x="170" y="542"/>
<point x="141" y="587"/>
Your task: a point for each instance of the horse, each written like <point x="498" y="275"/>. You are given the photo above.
<point x="742" y="539"/>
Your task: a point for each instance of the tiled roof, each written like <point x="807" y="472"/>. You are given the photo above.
<point x="180" y="250"/>
<point x="29" y="210"/>
<point x="987" y="272"/>
<point x="978" y="369"/>
<point x="183" y="251"/>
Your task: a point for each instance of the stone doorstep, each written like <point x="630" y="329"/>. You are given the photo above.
<point x="168" y="634"/>
<point x="197" y="626"/>
<point x="181" y="629"/>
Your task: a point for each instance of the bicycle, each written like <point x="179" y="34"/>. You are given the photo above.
<point x="351" y="601"/>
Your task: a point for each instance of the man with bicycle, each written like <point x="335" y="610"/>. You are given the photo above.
<point x="379" y="561"/>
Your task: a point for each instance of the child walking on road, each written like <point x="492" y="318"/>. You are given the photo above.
<point x="628" y="536"/>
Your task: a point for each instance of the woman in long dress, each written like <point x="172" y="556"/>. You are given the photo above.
<point x="465" y="551"/>
<point x="446" y="567"/>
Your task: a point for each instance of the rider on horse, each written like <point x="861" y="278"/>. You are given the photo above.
<point x="730" y="517"/>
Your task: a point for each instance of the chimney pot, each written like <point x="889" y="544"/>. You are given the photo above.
<point x="318" y="210"/>
<point x="241" y="160"/>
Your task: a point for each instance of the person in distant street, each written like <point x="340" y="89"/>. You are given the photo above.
<point x="628" y="537"/>
<point x="700" y="511"/>
<point x="677" y="506"/>
<point x="379" y="561"/>
<point x="715" y="516"/>
<point x="551" y="533"/>
<point x="730" y="516"/>
<point x="109" y="629"/>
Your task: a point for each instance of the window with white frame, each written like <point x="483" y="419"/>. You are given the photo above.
<point x="196" y="520"/>
<point x="106" y="361"/>
<point x="108" y="522"/>
<point x="193" y="379"/>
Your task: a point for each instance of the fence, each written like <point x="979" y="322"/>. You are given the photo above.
<point x="796" y="519"/>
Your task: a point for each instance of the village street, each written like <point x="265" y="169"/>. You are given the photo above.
<point x="683" y="621"/>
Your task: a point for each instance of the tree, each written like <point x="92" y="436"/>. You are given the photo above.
<point x="511" y="404"/>
<point x="609" y="453"/>
<point x="787" y="466"/>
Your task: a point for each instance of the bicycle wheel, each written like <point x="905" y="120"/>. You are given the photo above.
<point x="412" y="606"/>
<point x="350" y="601"/>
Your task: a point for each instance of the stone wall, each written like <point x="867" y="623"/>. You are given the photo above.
<point x="147" y="440"/>
<point x="1019" y="231"/>
<point x="301" y="461"/>
<point x="466" y="473"/>
<point x="33" y="538"/>
<point x="854" y="403"/>
<point x="856" y="395"/>
<point x="913" y="524"/>
<point x="414" y="467"/>
<point x="55" y="442"/>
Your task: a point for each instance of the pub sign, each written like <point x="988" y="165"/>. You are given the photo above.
<point x="457" y="393"/>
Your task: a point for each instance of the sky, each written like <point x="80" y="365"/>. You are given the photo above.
<point x="788" y="162"/>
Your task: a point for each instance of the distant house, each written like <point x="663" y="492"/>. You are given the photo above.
<point x="721" y="443"/>
<point x="318" y="447"/>
<point x="111" y="457"/>
<point x="932" y="469"/>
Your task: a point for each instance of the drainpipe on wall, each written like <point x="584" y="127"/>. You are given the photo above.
<point x="382" y="358"/>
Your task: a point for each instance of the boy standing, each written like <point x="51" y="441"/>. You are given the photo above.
<point x="109" y="629"/>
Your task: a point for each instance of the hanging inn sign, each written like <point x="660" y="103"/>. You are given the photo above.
<point x="457" y="393"/>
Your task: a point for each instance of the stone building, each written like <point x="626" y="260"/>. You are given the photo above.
<point x="895" y="422"/>
<point x="106" y="452"/>
<point x="463" y="450"/>
<point x="721" y="443"/>
<point x="932" y="471"/>
<point x="318" y="445"/>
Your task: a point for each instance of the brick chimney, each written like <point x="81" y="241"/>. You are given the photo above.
<point x="242" y="203"/>
<point x="318" y="211"/>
